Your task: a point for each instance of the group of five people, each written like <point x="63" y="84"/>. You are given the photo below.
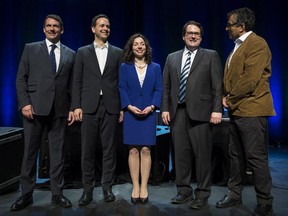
<point x="110" y="85"/>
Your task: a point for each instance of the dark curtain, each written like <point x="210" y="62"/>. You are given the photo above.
<point x="161" y="21"/>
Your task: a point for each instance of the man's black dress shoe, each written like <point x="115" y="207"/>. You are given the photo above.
<point x="180" y="198"/>
<point x="21" y="203"/>
<point x="143" y="200"/>
<point x="199" y="204"/>
<point x="85" y="199"/>
<point x="263" y="210"/>
<point x="108" y="196"/>
<point x="228" y="201"/>
<point x="61" y="201"/>
<point x="135" y="200"/>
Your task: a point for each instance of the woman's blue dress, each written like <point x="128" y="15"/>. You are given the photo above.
<point x="140" y="130"/>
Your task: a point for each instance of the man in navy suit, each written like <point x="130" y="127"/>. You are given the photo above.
<point x="191" y="112"/>
<point x="96" y="104"/>
<point x="44" y="99"/>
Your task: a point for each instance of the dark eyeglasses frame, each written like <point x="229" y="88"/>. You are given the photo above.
<point x="229" y="25"/>
<point x="196" y="34"/>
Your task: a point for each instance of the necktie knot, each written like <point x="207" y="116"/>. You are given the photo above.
<point x="53" y="46"/>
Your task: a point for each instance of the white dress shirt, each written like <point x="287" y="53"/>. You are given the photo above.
<point x="101" y="53"/>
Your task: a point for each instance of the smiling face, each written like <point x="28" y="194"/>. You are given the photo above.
<point x="139" y="47"/>
<point x="101" y="30"/>
<point x="192" y="37"/>
<point x="52" y="30"/>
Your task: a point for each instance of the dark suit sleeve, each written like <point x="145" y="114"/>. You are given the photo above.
<point x="70" y="86"/>
<point x="77" y="81"/>
<point x="22" y="80"/>
<point x="125" y="100"/>
<point x="217" y="83"/>
<point x="157" y="97"/>
<point x="166" y="87"/>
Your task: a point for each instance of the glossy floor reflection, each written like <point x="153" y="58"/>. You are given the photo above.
<point x="159" y="198"/>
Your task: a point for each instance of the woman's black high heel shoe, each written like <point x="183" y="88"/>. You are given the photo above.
<point x="143" y="200"/>
<point x="135" y="200"/>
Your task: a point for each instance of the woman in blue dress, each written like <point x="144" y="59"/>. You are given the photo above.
<point x="140" y="87"/>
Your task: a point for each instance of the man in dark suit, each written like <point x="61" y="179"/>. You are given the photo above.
<point x="249" y="101"/>
<point x="192" y="90"/>
<point x="44" y="100"/>
<point x="96" y="103"/>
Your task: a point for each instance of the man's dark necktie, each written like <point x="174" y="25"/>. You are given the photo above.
<point x="52" y="57"/>
<point x="183" y="78"/>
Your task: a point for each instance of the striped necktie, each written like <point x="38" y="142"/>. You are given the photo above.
<point x="183" y="78"/>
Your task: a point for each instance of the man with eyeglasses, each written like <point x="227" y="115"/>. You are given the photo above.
<point x="192" y="94"/>
<point x="248" y="99"/>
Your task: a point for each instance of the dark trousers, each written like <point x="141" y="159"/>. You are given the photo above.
<point x="33" y="132"/>
<point x="99" y="126"/>
<point x="248" y="146"/>
<point x="192" y="139"/>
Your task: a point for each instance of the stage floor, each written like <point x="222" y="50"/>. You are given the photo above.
<point x="159" y="198"/>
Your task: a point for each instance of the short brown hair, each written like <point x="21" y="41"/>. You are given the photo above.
<point x="55" y="17"/>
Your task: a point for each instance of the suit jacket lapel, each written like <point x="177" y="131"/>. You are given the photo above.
<point x="178" y="61"/>
<point x="226" y="68"/>
<point x="135" y="76"/>
<point x="148" y="74"/>
<point x="45" y="53"/>
<point x="62" y="58"/>
<point x="94" y="59"/>
<point x="109" y="56"/>
<point x="196" y="60"/>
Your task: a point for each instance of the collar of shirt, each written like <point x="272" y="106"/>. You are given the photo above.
<point x="48" y="43"/>
<point x="186" y="50"/>
<point x="242" y="38"/>
<point x="96" y="46"/>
